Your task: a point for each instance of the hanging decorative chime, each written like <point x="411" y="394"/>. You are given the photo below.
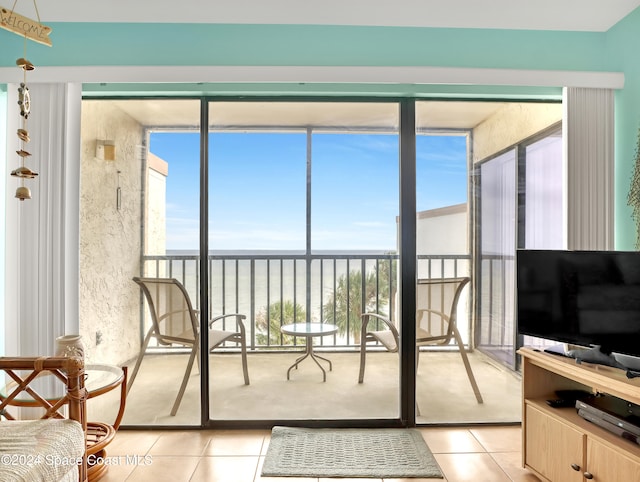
<point x="24" y="101"/>
<point x="30" y="29"/>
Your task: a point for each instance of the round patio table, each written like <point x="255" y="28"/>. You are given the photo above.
<point x="309" y="331"/>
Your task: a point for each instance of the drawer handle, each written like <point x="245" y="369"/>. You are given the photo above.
<point x="588" y="475"/>
<point x="575" y="467"/>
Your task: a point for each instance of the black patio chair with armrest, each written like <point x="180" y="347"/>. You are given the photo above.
<point x="175" y="322"/>
<point x="436" y="318"/>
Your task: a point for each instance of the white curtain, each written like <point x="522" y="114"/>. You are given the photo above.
<point x="589" y="152"/>
<point x="544" y="194"/>
<point x="42" y="235"/>
<point x="496" y="280"/>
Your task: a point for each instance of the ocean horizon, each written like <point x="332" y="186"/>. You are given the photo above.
<point x="272" y="252"/>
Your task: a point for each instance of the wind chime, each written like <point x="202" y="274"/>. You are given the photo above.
<point x="24" y="101"/>
<point x="30" y="29"/>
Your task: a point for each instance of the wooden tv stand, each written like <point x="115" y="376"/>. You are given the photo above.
<point x="557" y="444"/>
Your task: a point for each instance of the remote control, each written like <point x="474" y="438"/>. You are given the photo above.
<point x="561" y="402"/>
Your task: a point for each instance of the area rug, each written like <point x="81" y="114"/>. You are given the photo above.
<point x="366" y="453"/>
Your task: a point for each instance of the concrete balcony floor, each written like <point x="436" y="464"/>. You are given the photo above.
<point x="444" y="393"/>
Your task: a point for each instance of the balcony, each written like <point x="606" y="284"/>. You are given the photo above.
<point x="271" y="289"/>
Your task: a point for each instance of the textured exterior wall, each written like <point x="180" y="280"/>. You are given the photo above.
<point x="110" y="238"/>
<point x="511" y="124"/>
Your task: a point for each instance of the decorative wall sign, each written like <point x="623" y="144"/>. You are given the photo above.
<point x="25" y="27"/>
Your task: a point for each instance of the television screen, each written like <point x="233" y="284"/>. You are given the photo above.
<point x="587" y="298"/>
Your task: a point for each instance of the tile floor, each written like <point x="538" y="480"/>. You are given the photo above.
<point x="480" y="454"/>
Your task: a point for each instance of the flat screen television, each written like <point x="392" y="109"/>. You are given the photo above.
<point x="585" y="298"/>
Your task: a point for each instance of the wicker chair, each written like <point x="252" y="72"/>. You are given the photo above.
<point x="48" y="435"/>
<point x="175" y="322"/>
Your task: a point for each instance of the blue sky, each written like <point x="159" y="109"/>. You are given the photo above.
<point x="257" y="188"/>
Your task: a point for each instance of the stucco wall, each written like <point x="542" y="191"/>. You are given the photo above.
<point x="109" y="238"/>
<point x="511" y="124"/>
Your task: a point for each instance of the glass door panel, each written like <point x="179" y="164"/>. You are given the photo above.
<point x="521" y="198"/>
<point x="443" y="251"/>
<point x="497" y="256"/>
<point x="139" y="217"/>
<point x="303" y="205"/>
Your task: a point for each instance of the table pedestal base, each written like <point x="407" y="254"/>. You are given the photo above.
<point x="310" y="353"/>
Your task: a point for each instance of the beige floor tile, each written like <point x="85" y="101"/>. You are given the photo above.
<point x="226" y="469"/>
<point x="133" y="442"/>
<point x="118" y="473"/>
<point x="259" y="478"/>
<point x="232" y="442"/>
<point x="511" y="463"/>
<point x="451" y="440"/>
<point x="499" y="439"/>
<point x="341" y="479"/>
<point x="165" y="469"/>
<point x="237" y="456"/>
<point x="412" y="479"/>
<point x="470" y="467"/>
<point x="188" y="442"/>
<point x="265" y="445"/>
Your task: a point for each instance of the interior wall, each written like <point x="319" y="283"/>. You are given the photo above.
<point x="110" y="237"/>
<point x="158" y="44"/>
<point x="623" y="40"/>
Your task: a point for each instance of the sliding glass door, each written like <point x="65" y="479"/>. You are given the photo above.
<point x="290" y="215"/>
<point x="521" y="206"/>
<point x="303" y="206"/>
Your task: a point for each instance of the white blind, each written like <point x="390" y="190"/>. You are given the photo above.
<point x="589" y="152"/>
<point x="42" y="243"/>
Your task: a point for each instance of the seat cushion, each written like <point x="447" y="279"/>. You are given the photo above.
<point x="423" y="334"/>
<point x="386" y="338"/>
<point x="41" y="449"/>
<point x="217" y="337"/>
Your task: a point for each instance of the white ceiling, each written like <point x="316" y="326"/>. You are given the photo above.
<point x="579" y="15"/>
<point x="181" y="113"/>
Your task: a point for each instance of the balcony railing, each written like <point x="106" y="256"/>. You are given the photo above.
<point x="275" y="289"/>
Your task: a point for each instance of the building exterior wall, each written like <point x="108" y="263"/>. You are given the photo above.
<point x="443" y="230"/>
<point x="110" y="237"/>
<point x="511" y="124"/>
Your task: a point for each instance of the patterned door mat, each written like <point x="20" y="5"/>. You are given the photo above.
<point x="366" y="453"/>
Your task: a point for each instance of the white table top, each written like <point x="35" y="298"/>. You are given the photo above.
<point x="309" y="329"/>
